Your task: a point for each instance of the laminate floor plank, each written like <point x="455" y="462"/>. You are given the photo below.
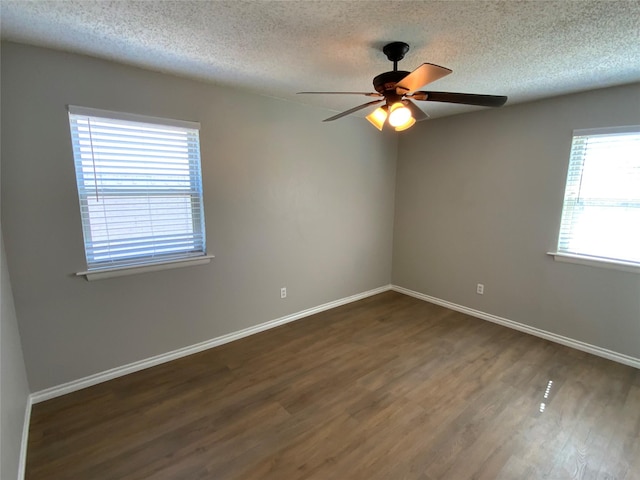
<point x="389" y="387"/>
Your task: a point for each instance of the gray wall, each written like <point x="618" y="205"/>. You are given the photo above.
<point x="478" y="200"/>
<point x="289" y="201"/>
<point x="14" y="389"/>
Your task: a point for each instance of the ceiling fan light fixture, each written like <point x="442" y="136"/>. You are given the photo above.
<point x="406" y="125"/>
<point x="378" y="117"/>
<point x="395" y="89"/>
<point x="399" y="115"/>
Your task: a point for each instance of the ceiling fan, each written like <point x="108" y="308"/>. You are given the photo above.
<point x="398" y="88"/>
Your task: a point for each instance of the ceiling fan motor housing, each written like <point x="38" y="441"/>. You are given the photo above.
<point x="385" y="83"/>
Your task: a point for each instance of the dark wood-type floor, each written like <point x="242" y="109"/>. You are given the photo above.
<point x="389" y="387"/>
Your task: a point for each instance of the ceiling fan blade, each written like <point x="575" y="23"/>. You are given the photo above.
<point x="425" y="73"/>
<point x="464" y="98"/>
<point x="351" y="110"/>
<point x="367" y="94"/>
<point x="416" y="111"/>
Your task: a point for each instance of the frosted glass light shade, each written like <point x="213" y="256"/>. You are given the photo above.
<point x="406" y="125"/>
<point x="378" y="117"/>
<point x="399" y="115"/>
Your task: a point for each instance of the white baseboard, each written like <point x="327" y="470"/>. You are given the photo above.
<point x="566" y="341"/>
<point x="22" y="461"/>
<point x="85" y="382"/>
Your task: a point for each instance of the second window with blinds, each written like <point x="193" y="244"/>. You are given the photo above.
<point x="601" y="213"/>
<point x="140" y="189"/>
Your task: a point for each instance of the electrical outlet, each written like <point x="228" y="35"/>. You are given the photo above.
<point x="480" y="289"/>
<point x="283" y="292"/>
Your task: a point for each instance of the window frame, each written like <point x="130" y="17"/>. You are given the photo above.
<point x="154" y="261"/>
<point x="567" y="256"/>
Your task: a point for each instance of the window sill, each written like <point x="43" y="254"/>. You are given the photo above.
<point x="595" y="262"/>
<point x="149" y="267"/>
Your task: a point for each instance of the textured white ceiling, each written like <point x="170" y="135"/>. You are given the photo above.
<point x="523" y="49"/>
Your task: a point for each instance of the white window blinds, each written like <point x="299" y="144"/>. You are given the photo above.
<point x="140" y="187"/>
<point x="601" y="214"/>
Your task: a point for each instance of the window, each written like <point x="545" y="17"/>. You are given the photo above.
<point x="601" y="213"/>
<point x="139" y="186"/>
